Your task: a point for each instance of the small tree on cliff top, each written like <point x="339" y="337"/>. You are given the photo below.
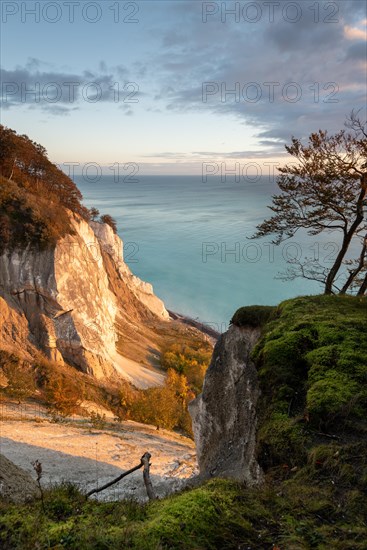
<point x="324" y="191"/>
<point x="106" y="218"/>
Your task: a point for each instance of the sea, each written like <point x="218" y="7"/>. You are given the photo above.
<point x="192" y="240"/>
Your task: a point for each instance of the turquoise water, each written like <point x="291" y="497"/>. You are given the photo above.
<point x="179" y="233"/>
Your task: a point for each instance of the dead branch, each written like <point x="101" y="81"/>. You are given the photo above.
<point x="148" y="484"/>
<point x="144" y="462"/>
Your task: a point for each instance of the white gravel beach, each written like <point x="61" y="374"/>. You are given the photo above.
<point x="77" y="452"/>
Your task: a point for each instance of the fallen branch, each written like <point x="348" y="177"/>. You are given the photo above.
<point x="99" y="489"/>
<point x="144" y="462"/>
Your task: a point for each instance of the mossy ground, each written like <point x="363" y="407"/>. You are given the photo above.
<point x="292" y="515"/>
<point x="312" y="444"/>
<point x="253" y="316"/>
<point x="312" y="365"/>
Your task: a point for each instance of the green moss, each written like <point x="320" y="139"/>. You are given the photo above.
<point x="253" y="316"/>
<point x="219" y="514"/>
<point x="311" y="362"/>
<point x="208" y="517"/>
<point x="283" y="441"/>
<point x="355" y="363"/>
<point x="330" y="394"/>
<point x="327" y="356"/>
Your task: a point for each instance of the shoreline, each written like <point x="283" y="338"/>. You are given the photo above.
<point x="202" y="327"/>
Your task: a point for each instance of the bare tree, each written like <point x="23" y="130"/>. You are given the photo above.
<point x="325" y="190"/>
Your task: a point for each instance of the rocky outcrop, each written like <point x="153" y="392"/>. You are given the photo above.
<point x="224" y="415"/>
<point x="65" y="302"/>
<point x="15" y="336"/>
<point x="16" y="485"/>
<point x="112" y="245"/>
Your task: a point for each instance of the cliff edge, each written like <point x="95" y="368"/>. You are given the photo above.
<point x="76" y="300"/>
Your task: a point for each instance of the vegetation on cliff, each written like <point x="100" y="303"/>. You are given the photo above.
<point x="312" y="365"/>
<point x="34" y="195"/>
<point x="190" y="360"/>
<point x="253" y="316"/>
<point x="63" y="388"/>
<point x="167" y="406"/>
<point x="312" y="444"/>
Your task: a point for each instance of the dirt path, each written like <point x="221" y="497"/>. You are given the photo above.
<point x="89" y="457"/>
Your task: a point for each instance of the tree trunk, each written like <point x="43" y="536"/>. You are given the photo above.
<point x="12" y="170"/>
<point x="346" y="240"/>
<point x="358" y="269"/>
<point x="363" y="288"/>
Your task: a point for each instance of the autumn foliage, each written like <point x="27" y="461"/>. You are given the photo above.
<point x="36" y="197"/>
<point x="167" y="406"/>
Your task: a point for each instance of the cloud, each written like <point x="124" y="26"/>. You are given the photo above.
<point x="321" y="58"/>
<point x="314" y="68"/>
<point x="173" y="38"/>
<point x="215" y="156"/>
<point x="57" y="110"/>
<point x="354" y="33"/>
<point x="243" y="155"/>
<point x="62" y="92"/>
<point x="357" y="52"/>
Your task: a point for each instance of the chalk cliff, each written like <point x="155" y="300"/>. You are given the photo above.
<point x="224" y="415"/>
<point x="76" y="301"/>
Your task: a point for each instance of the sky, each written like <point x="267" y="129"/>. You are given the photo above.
<point x="179" y="87"/>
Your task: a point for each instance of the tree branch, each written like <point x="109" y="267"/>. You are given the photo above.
<point x="353" y="273"/>
<point x="144" y="462"/>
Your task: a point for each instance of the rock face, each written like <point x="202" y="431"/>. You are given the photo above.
<point x="16" y="485"/>
<point x="224" y="415"/>
<point x="65" y="302"/>
<point x="112" y="245"/>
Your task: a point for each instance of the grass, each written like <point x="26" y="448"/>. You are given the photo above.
<point x="220" y="514"/>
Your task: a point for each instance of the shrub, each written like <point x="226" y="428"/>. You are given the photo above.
<point x="93" y="213"/>
<point x="189" y="361"/>
<point x="62" y="501"/>
<point x="126" y="401"/>
<point x="157" y="406"/>
<point x="253" y="316"/>
<point x="97" y="420"/>
<point x="63" y="396"/>
<point x="106" y="218"/>
<point x="19" y="376"/>
<point x="164" y="407"/>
